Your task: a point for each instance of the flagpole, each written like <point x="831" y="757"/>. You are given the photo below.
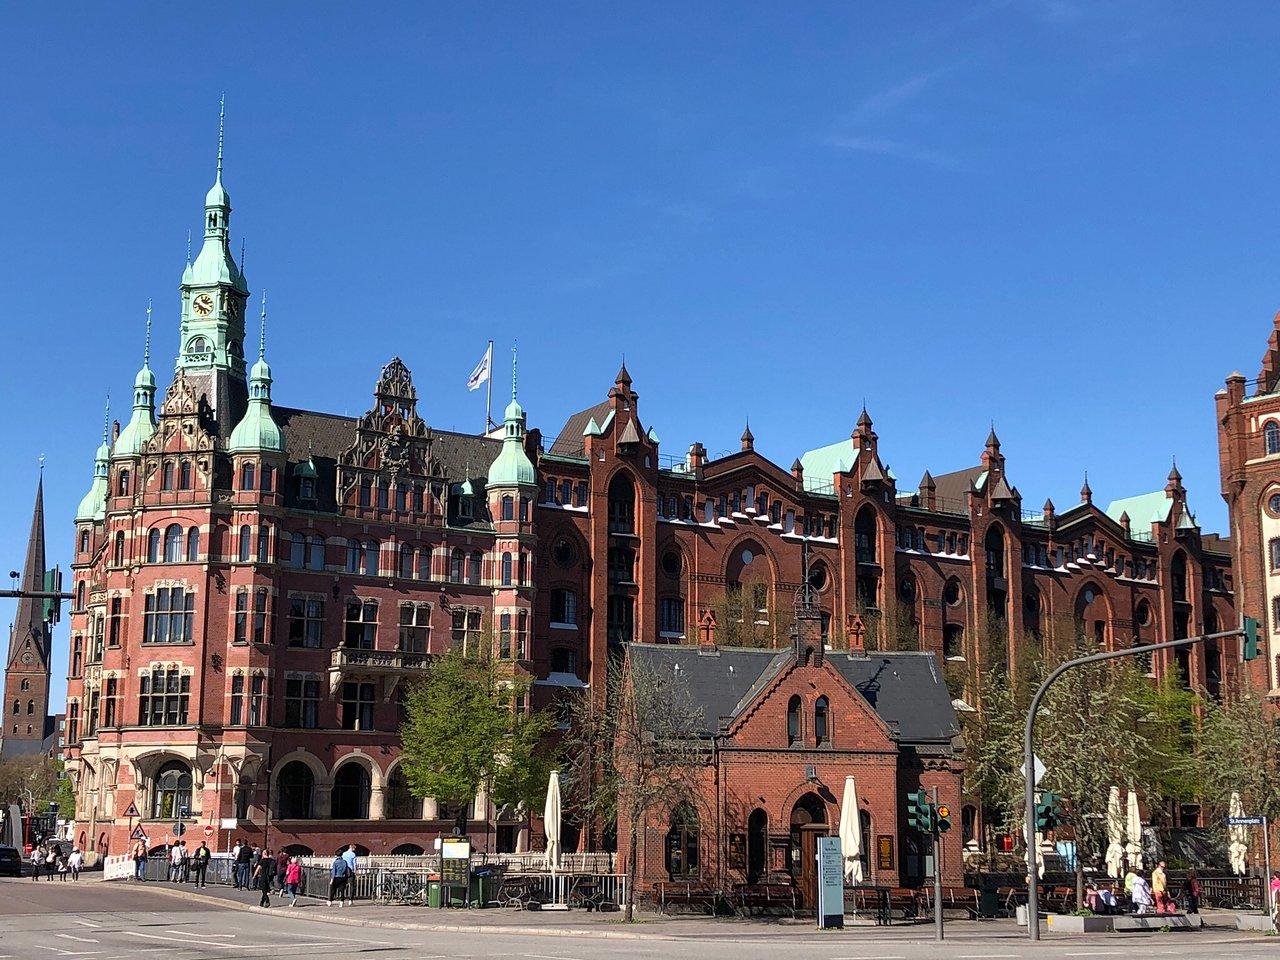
<point x="488" y="391"/>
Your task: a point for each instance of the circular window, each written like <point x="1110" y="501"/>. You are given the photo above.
<point x="747" y="557"/>
<point x="671" y="563"/>
<point x="951" y="593"/>
<point x="563" y="553"/>
<point x="1144" y="614"/>
<point x="1273" y="504"/>
<point x="1090" y="595"/>
<point x="907" y="590"/>
<point x="818" y="576"/>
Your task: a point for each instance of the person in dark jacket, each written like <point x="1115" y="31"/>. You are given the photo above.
<point x="244" y="862"/>
<point x="282" y="864"/>
<point x="264" y="875"/>
<point x="340" y="876"/>
<point x="1191" y="892"/>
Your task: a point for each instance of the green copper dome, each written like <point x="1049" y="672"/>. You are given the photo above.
<point x="258" y="430"/>
<point x="94" y="504"/>
<point x="512" y="466"/>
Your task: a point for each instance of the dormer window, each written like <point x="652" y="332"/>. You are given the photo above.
<point x="307" y="488"/>
<point x="464" y="507"/>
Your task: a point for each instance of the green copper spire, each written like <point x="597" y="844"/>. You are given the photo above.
<point x="512" y="466"/>
<point x="258" y="430"/>
<point x="142" y="424"/>
<point x="94" y="504"/>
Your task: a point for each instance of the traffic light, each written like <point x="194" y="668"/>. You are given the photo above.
<point x="944" y="818"/>
<point x="1048" y="812"/>
<point x="1249" y="647"/>
<point x="919" y="812"/>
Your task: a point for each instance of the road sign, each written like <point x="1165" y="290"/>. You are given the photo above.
<point x="208" y="832"/>
<point x="137" y="833"/>
<point x="1244" y="821"/>
<point x="1036" y="767"/>
<point x="132" y="810"/>
<point x="179" y="828"/>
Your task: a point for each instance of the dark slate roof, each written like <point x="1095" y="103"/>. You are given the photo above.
<point x="905" y="688"/>
<point x="569" y="442"/>
<point x="952" y="487"/>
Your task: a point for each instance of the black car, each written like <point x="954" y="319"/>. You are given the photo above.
<point x="10" y="862"/>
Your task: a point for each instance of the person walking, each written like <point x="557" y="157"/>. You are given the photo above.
<point x="139" y="860"/>
<point x="349" y="855"/>
<point x="1143" y="899"/>
<point x="63" y="867"/>
<point x="50" y="863"/>
<point x="235" y="865"/>
<point x="1160" y="888"/>
<point x="339" y="874"/>
<point x="243" y="861"/>
<point x="263" y="874"/>
<point x="175" y="860"/>
<point x="200" y="862"/>
<point x="186" y="862"/>
<point x="282" y="864"/>
<point x="76" y="863"/>
<point x="293" y="879"/>
<point x="37" y="862"/>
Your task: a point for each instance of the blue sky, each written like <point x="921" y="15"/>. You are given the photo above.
<point x="1058" y="216"/>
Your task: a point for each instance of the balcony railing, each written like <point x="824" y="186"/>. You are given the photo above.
<point x="377" y="661"/>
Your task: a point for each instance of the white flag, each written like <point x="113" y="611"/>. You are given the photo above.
<point x="481" y="373"/>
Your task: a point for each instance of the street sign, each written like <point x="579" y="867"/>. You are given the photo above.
<point x="179" y="828"/>
<point x="1244" y="821"/>
<point x="208" y="832"/>
<point x="137" y="833"/>
<point x="830" y="884"/>
<point x="132" y="810"/>
<point x="1036" y="767"/>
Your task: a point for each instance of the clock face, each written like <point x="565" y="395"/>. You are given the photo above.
<point x="27" y="658"/>
<point x="203" y="305"/>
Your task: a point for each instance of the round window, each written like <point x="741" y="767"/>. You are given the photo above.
<point x="1144" y="614"/>
<point x="1090" y="595"/>
<point x="1274" y="504"/>
<point x="747" y="557"/>
<point x="563" y="553"/>
<point x="951" y="593"/>
<point x="671" y="563"/>
<point x="818" y="576"/>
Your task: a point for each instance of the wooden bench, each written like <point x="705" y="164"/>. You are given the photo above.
<point x="905" y="900"/>
<point x="762" y="897"/>
<point x="968" y="899"/>
<point x="685" y="893"/>
<point x="1060" y="899"/>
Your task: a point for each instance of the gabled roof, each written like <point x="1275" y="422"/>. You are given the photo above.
<point x="825" y="461"/>
<point x="1144" y="510"/>
<point x="906" y="689"/>
<point x="955" y="486"/>
<point x="568" y="442"/>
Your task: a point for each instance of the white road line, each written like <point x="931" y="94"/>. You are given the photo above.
<point x="986" y="956"/>
<point x="214" y="936"/>
<point x="72" y="936"/>
<point x="1094" y="953"/>
<point x="544" y="956"/>
<point x="86" y="923"/>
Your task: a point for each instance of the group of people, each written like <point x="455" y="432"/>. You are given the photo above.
<point x="257" y="868"/>
<point x="186" y="865"/>
<point x="1155" y="895"/>
<point x="51" y="860"/>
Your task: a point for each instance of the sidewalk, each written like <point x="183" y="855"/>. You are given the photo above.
<point x="649" y="926"/>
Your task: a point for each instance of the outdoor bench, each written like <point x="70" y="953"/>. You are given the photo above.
<point x="762" y="897"/>
<point x="685" y="893"/>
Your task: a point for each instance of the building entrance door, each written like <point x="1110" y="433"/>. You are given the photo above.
<point x="808" y="822"/>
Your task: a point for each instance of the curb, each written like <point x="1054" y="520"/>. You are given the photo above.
<point x="428" y="927"/>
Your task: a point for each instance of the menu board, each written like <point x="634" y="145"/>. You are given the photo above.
<point x="455" y="863"/>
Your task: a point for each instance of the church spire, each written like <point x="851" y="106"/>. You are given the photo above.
<point x="142" y="424"/>
<point x="30" y="618"/>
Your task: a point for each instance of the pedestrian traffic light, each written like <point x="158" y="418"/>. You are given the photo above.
<point x="1249" y="647"/>
<point x="1048" y="812"/>
<point x="919" y="812"/>
<point x="944" y="818"/>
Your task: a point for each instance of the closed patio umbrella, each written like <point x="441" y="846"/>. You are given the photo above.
<point x="851" y="833"/>
<point x="1115" y="835"/>
<point x="1237" y="838"/>
<point x="551" y="822"/>
<point x="1133" y="828"/>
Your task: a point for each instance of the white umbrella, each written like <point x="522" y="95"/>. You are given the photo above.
<point x="1115" y="835"/>
<point x="851" y="833"/>
<point x="551" y="822"/>
<point x="1133" y="827"/>
<point x="1237" y="837"/>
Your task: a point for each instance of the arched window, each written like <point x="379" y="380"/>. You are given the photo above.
<point x="246" y="543"/>
<point x="172" y="543"/>
<point x="401" y="803"/>
<point x="457" y="565"/>
<point x="294" y="791"/>
<point x="153" y="545"/>
<point x="822" y="722"/>
<point x="564" y="607"/>
<point x="184" y="475"/>
<point x="794" y="732"/>
<point x="193" y="544"/>
<point x="122" y="483"/>
<point x="172" y="792"/>
<point x="475" y="568"/>
<point x="366" y="492"/>
<point x="117" y="554"/>
<point x="406" y="561"/>
<point x="248" y="476"/>
<point x="166" y="475"/>
<point x="683" y="861"/>
<point x="351" y="792"/>
<point x="508" y="508"/>
<point x="1271" y="433"/>
<point x="506" y="569"/>
<point x="315" y="552"/>
<point x="622" y="504"/>
<point x="264" y="544"/>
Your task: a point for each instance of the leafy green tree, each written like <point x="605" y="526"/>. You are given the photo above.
<point x="1238" y="750"/>
<point x="466" y="727"/>
<point x="43" y="777"/>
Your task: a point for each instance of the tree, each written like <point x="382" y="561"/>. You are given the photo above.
<point x="1238" y="750"/>
<point x="634" y="751"/>
<point x="43" y="777"/>
<point x="743" y="617"/>
<point x="466" y="727"/>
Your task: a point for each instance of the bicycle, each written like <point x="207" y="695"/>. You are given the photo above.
<point x="402" y="888"/>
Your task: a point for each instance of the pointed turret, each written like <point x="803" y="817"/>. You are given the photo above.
<point x="215" y="264"/>
<point x="29" y="621"/>
<point x="1086" y="493"/>
<point x="94" y="504"/>
<point x="142" y="424"/>
<point x="623" y="379"/>
<point x="748" y="438"/>
<point x="864" y="418"/>
<point x="512" y="467"/>
<point x="993" y="442"/>
<point x="257" y="429"/>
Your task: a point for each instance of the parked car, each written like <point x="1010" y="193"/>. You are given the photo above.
<point x="10" y="861"/>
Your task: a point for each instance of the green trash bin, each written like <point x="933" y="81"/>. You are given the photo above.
<point x="433" y="893"/>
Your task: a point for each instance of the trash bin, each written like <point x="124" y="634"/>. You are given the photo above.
<point x="481" y="892"/>
<point x="433" y="893"/>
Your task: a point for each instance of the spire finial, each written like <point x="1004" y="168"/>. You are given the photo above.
<point x="146" y="350"/>
<point x="188" y="246"/>
<point x="106" y="420"/>
<point x="514" y="344"/>
<point x="42" y="464"/>
<point x="262" y="331"/>
<point x="222" y="117"/>
<point x="242" y="256"/>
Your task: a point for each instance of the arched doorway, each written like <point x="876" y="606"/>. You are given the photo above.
<point x="757" y="845"/>
<point x="351" y="789"/>
<point x="808" y="822"/>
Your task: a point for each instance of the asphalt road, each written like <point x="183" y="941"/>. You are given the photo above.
<point x="99" y="921"/>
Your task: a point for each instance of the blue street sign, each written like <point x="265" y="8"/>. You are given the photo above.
<point x="1244" y="821"/>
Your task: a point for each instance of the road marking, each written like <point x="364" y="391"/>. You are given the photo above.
<point x="86" y="923"/>
<point x="192" y="933"/>
<point x="985" y="956"/>
<point x="72" y="936"/>
<point x="1095" y="953"/>
<point x="544" y="956"/>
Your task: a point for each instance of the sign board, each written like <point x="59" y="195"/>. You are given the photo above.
<point x="132" y="810"/>
<point x="884" y="853"/>
<point x="137" y="833"/>
<point x="208" y="832"/>
<point x="1244" y="821"/>
<point x="179" y="828"/>
<point x="455" y="868"/>
<point x="1037" y="769"/>
<point x="229" y="823"/>
<point x="830" y="883"/>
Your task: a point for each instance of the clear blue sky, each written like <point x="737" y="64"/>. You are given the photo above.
<point x="1060" y="216"/>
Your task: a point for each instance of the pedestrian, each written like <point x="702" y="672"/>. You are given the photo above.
<point x="76" y="863"/>
<point x="282" y="864"/>
<point x="293" y="879"/>
<point x="350" y="857"/>
<point x="1143" y="899"/>
<point x="50" y="863"/>
<point x="1160" y="888"/>
<point x="263" y="874"/>
<point x="186" y="862"/>
<point x="235" y="865"/>
<point x="1274" y="894"/>
<point x="339" y="875"/>
<point x="244" y="861"/>
<point x="139" y="860"/>
<point x="63" y="867"/>
<point x="175" y="861"/>
<point x="200" y="862"/>
<point x="1191" y="892"/>
<point x="37" y="862"/>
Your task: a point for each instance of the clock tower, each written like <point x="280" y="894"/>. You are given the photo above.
<point x="214" y="293"/>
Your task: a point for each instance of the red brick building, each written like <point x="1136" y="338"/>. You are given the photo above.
<point x="254" y="584"/>
<point x="1249" y="457"/>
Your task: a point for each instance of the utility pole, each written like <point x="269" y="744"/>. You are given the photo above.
<point x="1248" y="629"/>
<point x="937" y="869"/>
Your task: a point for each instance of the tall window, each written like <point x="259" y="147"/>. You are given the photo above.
<point x="168" y="616"/>
<point x="153" y="546"/>
<point x="822" y="722"/>
<point x="457" y="565"/>
<point x="382" y="495"/>
<point x="682" y="859"/>
<point x="247" y="476"/>
<point x="77" y="656"/>
<point x="357" y="707"/>
<point x="466" y="629"/>
<point x="193" y="544"/>
<point x="366" y="492"/>
<point x="241" y="634"/>
<point x="260" y="603"/>
<point x="522" y="635"/>
<point x="259" y="701"/>
<point x="172" y="795"/>
<point x="406" y="561"/>
<point x="111" y="702"/>
<point x="237" y="699"/>
<point x="564" y="607"/>
<point x="98" y="633"/>
<point x="415" y="627"/>
<point x="117" y="554"/>
<point x="504" y="636"/>
<point x="264" y="543"/>
<point x="793" y="720"/>
<point x="1271" y="432"/>
<point x="115" y="623"/>
<point x="166" y="475"/>
<point x="294" y="789"/>
<point x="172" y="543"/>
<point x="267" y="478"/>
<point x="351" y="789"/>
<point x="361" y="624"/>
<point x="506" y="570"/>
<point x="475" y="568"/>
<point x="301" y="702"/>
<point x="184" y="475"/>
<point x="315" y="552"/>
<point x="1273" y="547"/>
<point x="306" y="621"/>
<point x="163" y="699"/>
<point x="246" y="544"/>
<point x="508" y="508"/>
<point x="671" y="616"/>
<point x="362" y="557"/>
<point x="122" y="484"/>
